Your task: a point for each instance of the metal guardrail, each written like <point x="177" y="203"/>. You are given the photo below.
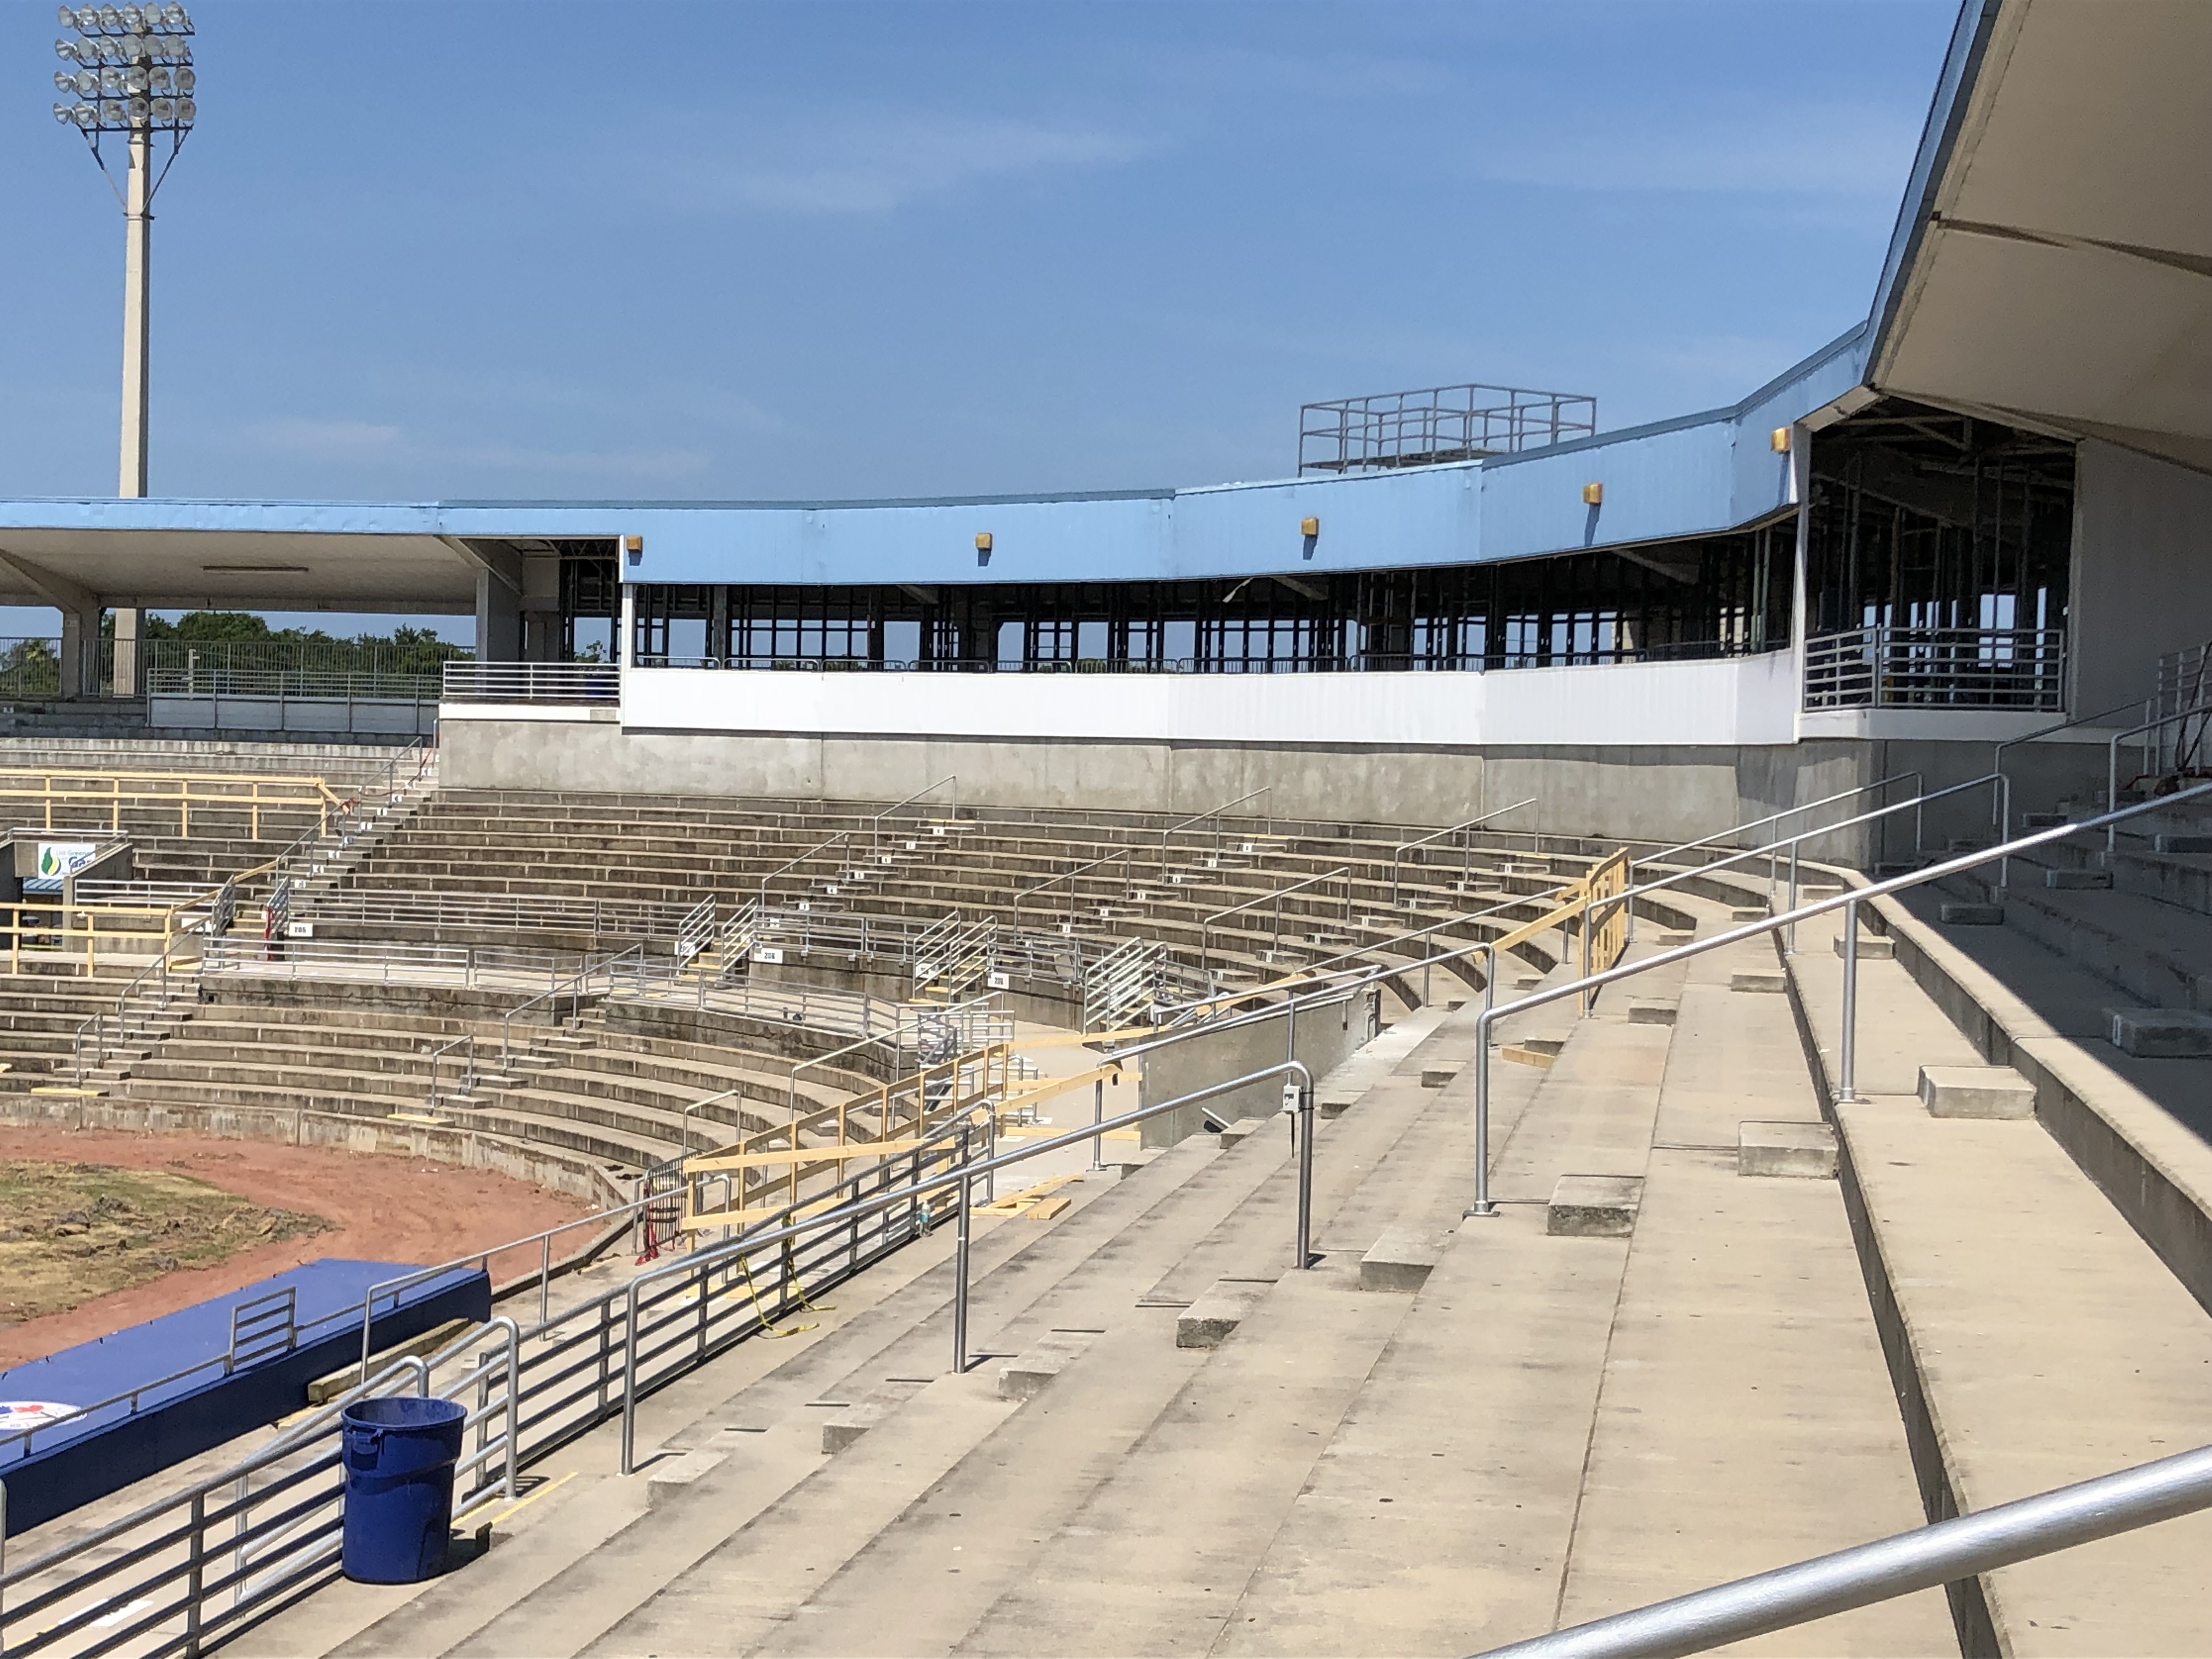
<point x="1213" y="815"/>
<point x="292" y="685"/>
<point x="1887" y="666"/>
<point x="182" y="1574"/>
<point x="1849" y="903"/>
<point x="597" y="684"/>
<point x="1432" y="425"/>
<point x="515" y="912"/>
<point x="388" y="962"/>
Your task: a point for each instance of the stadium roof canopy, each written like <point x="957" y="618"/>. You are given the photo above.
<point x="2051" y="267"/>
<point x="2053" y="259"/>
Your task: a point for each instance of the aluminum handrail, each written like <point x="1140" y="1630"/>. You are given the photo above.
<point x="1399" y="852"/>
<point x="478" y="1259"/>
<point x="1666" y="853"/>
<point x="1848" y="902"/>
<point x="2113" y="763"/>
<point x="1214" y="813"/>
<point x="1206" y="926"/>
<point x="1790" y="843"/>
<point x="185" y="1555"/>
<point x="1943" y="1553"/>
<point x="573" y="986"/>
<point x="842" y="835"/>
<point x="1996" y="754"/>
<point x="1126" y="854"/>
<point x="876" y="823"/>
<point x="970" y="1170"/>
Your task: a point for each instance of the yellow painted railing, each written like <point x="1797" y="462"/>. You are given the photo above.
<point x="1609" y="926"/>
<point x="48" y="931"/>
<point x="769" y="1167"/>
<point x="33" y="796"/>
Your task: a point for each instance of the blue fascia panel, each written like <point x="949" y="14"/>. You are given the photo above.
<point x="79" y="1459"/>
<point x="226" y="517"/>
<point x="1664" y="484"/>
<point x="1701" y="474"/>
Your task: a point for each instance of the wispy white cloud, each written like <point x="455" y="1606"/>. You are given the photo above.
<point x="1732" y="363"/>
<point x="874" y="161"/>
<point x="395" y="447"/>
<point x="326" y="439"/>
<point x="1836" y="149"/>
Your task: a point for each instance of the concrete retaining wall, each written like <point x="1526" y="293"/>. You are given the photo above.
<point x="1655" y="793"/>
<point x="1324" y="1037"/>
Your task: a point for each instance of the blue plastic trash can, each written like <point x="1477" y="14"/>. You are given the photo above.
<point x="399" y="1454"/>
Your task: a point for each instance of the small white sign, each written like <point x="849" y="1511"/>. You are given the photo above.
<point x="770" y="954"/>
<point x="16" y="1415"/>
<point x="999" y="981"/>
<point x="298" y="930"/>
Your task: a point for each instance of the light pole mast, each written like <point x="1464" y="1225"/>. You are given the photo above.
<point x="137" y="249"/>
<point x="127" y="73"/>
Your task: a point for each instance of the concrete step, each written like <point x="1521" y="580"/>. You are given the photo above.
<point x="1627" y="1418"/>
<point x="2140" y="1129"/>
<point x="1962" y="1224"/>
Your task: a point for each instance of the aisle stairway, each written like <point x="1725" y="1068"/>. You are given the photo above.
<point x="1549" y="1426"/>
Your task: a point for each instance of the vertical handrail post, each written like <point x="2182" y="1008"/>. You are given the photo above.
<point x="960" y="1270"/>
<point x="1482" y="1205"/>
<point x="1304" y="1126"/>
<point x="1098" y="1116"/>
<point x="1847" y="1042"/>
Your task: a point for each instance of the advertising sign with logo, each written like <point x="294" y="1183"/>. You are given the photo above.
<point x="64" y="858"/>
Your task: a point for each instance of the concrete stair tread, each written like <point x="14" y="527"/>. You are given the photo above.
<point x="1973" y="1219"/>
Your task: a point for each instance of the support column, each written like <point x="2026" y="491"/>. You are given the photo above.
<point x="499" y="620"/>
<point x="129" y="650"/>
<point x="80" y="666"/>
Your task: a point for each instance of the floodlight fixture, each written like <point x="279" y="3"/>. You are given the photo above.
<point x="127" y="74"/>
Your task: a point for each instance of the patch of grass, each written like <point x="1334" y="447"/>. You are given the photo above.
<point x="69" y="1233"/>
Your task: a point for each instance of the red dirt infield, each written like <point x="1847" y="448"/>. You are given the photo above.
<point x="380" y="1208"/>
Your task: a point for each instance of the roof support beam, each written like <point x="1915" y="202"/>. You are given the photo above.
<point x="496" y="558"/>
<point x="65" y="594"/>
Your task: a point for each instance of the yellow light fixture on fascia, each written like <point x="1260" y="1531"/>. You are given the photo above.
<point x="1778" y="440"/>
<point x="1594" y="495"/>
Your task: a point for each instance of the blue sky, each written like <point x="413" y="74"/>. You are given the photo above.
<point x="822" y="247"/>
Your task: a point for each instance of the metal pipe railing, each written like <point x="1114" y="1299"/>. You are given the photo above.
<point x="965" y="1173"/>
<point x="1847" y="901"/>
<point x="1214" y="813"/>
<point x="842" y="835"/>
<point x="1666" y="854"/>
<point x="2112" y="764"/>
<point x="1996" y="754"/>
<point x="876" y="823"/>
<point x="1943" y="1553"/>
<point x="1126" y="854"/>
<point x="1206" y="926"/>
<point x="1399" y="852"/>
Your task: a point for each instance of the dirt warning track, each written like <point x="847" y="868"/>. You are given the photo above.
<point x="386" y="1209"/>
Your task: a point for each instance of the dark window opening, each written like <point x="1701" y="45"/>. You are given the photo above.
<point x="1720" y="596"/>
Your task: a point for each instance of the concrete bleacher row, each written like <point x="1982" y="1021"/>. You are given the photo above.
<point x="327" y="1054"/>
<point x="1548" y="1429"/>
<point x="1177" y="1444"/>
<point x="639" y="856"/>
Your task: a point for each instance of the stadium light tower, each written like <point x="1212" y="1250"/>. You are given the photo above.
<point x="127" y="73"/>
